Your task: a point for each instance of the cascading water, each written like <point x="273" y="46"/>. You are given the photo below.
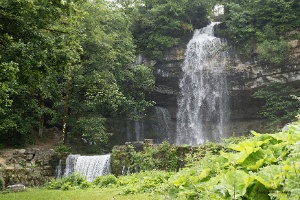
<point x="163" y="128"/>
<point x="203" y="100"/>
<point x="89" y="167"/>
<point x="135" y="129"/>
<point x="58" y="170"/>
<point x="70" y="164"/>
<point x="139" y="130"/>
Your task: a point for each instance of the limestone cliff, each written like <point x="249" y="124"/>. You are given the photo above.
<point x="244" y="78"/>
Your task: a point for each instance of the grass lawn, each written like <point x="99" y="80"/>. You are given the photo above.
<point x="79" y="194"/>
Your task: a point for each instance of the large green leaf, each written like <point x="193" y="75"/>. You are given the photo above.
<point x="271" y="176"/>
<point x="247" y="145"/>
<point x="235" y="182"/>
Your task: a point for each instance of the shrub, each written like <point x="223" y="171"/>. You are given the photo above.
<point x="66" y="183"/>
<point x="168" y="158"/>
<point x="61" y="148"/>
<point x="103" y="181"/>
<point x="85" y="184"/>
<point x="280" y="104"/>
<point x="273" y="51"/>
<point x="66" y="186"/>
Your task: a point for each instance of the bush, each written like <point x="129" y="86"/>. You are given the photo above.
<point x="103" y="181"/>
<point x="85" y="184"/>
<point x="167" y="157"/>
<point x="68" y="182"/>
<point x="61" y="148"/>
<point x="66" y="186"/>
<point x="280" y="105"/>
<point x="273" y="51"/>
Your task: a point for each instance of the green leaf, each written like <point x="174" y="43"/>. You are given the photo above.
<point x="271" y="176"/>
<point x="247" y="145"/>
<point x="235" y="182"/>
<point x="204" y="173"/>
<point x="180" y="181"/>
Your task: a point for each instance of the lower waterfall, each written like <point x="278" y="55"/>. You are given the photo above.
<point x="89" y="167"/>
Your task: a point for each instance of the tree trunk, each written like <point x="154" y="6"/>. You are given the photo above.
<point x="66" y="109"/>
<point x="41" y="117"/>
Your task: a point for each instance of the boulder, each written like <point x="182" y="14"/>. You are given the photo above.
<point x="16" y="188"/>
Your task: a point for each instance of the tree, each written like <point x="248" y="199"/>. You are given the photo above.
<point x="249" y="24"/>
<point x="37" y="43"/>
<point x="107" y="85"/>
<point x="159" y="25"/>
<point x="280" y="104"/>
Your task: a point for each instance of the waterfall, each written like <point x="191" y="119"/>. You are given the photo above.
<point x="70" y="164"/>
<point x="135" y="131"/>
<point x="203" y="99"/>
<point x="163" y="128"/>
<point x="89" y="167"/>
<point x="139" y="130"/>
<point x="58" y="170"/>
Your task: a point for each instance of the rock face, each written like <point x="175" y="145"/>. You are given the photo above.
<point x="244" y="78"/>
<point x="30" y="167"/>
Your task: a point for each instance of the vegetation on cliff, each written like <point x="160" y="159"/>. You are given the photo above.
<point x="281" y="104"/>
<point x="261" y="27"/>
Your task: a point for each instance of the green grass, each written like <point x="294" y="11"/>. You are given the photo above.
<point x="79" y="194"/>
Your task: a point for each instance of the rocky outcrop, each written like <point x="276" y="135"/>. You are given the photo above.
<point x="30" y="167"/>
<point x="244" y="78"/>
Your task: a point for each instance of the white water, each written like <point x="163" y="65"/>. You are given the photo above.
<point x="89" y="167"/>
<point x="58" y="170"/>
<point x="163" y="128"/>
<point x="139" y="130"/>
<point x="203" y="103"/>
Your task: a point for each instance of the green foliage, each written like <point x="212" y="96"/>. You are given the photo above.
<point x="159" y="25"/>
<point x="280" y="106"/>
<point x="167" y="156"/>
<point x="161" y="157"/>
<point x="85" y="184"/>
<point x="106" y="85"/>
<point x="250" y="21"/>
<point x="143" y="182"/>
<point x="92" y="193"/>
<point x="262" y="166"/>
<point x="192" y="158"/>
<point x="265" y="166"/>
<point x="61" y="148"/>
<point x="272" y="49"/>
<point x="68" y="64"/>
<point x="75" y="180"/>
<point x="145" y="159"/>
<point x="104" y="181"/>
<point x="37" y="42"/>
